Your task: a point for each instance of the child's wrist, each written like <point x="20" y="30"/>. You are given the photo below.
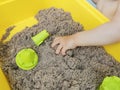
<point x="74" y="40"/>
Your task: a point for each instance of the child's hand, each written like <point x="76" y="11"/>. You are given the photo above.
<point x="64" y="43"/>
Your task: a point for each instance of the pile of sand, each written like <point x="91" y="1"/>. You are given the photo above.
<point x="83" y="68"/>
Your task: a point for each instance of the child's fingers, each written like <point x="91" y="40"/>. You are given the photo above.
<point x="55" y="41"/>
<point x="59" y="49"/>
<point x="63" y="51"/>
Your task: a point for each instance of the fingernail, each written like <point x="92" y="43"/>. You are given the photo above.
<point x="57" y="53"/>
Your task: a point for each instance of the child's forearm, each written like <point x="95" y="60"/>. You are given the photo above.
<point x="105" y="34"/>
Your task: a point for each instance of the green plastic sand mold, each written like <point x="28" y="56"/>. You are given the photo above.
<point x="40" y="37"/>
<point x="26" y="59"/>
<point x="110" y="83"/>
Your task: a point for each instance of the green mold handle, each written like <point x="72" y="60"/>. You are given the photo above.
<point x="40" y="37"/>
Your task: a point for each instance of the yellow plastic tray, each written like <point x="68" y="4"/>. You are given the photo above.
<point x="21" y="14"/>
<point x="4" y="85"/>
